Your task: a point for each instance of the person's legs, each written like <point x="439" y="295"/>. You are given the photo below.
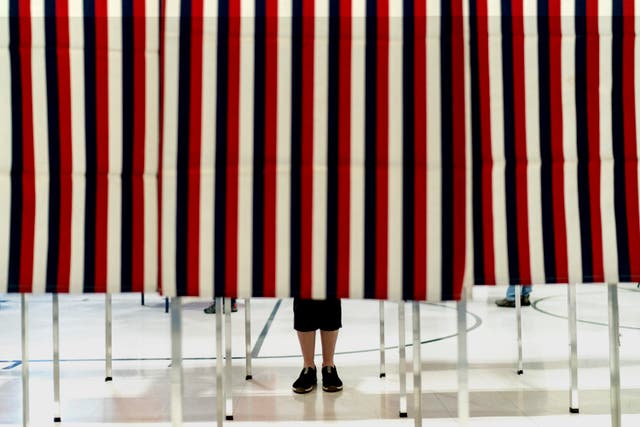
<point x="511" y="292"/>
<point x="308" y="345"/>
<point x="328" y="339"/>
<point x="510" y="299"/>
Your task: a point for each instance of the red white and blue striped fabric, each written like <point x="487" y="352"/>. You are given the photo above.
<point x="555" y="104"/>
<point x="79" y="109"/>
<point x="313" y="148"/>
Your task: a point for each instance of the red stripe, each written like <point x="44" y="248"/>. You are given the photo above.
<point x="66" y="155"/>
<point x="487" y="158"/>
<point x="420" y="152"/>
<point x="557" y="173"/>
<point x="139" y="136"/>
<point x="593" y="130"/>
<point x="195" y="142"/>
<point x="270" y="148"/>
<point x="459" y="149"/>
<point x="231" y="265"/>
<point x="28" y="174"/>
<point x="344" y="151"/>
<point x="307" y="148"/>
<point x="382" y="151"/>
<point x="102" y="143"/>
<point x="631" y="155"/>
<point x="520" y="141"/>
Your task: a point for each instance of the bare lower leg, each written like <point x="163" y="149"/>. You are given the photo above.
<point x="328" y="339"/>
<point x="308" y="347"/>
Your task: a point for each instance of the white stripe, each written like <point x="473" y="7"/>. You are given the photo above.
<point x="283" y="190"/>
<point x="497" y="145"/>
<point x="76" y="70"/>
<point x="468" y="272"/>
<point x="5" y="230"/>
<point x="76" y="273"/>
<point x="320" y="144"/>
<point x="395" y="187"/>
<point x="5" y="145"/>
<point x="356" y="220"/>
<point x="170" y="147"/>
<point x="114" y="30"/>
<point x="114" y="230"/>
<point x="150" y="233"/>
<point x="609" y="237"/>
<point x="208" y="152"/>
<point x="570" y="149"/>
<point x="434" y="155"/>
<point x="245" y="160"/>
<point x="152" y="145"/>
<point x="5" y="89"/>
<point x="4" y="24"/>
<point x="532" y="110"/>
<point x="41" y="148"/>
<point x="114" y="203"/>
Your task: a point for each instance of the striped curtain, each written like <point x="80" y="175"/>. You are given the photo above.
<point x="314" y="148"/>
<point x="79" y="145"/>
<point x="555" y="103"/>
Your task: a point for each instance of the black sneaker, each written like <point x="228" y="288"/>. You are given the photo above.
<point x="524" y="302"/>
<point x="330" y="380"/>
<point x="306" y="381"/>
<point x="212" y="308"/>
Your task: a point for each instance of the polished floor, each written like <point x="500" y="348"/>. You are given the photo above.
<point x="139" y="393"/>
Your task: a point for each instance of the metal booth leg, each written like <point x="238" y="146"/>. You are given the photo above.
<point x="417" y="367"/>
<point x="614" y="355"/>
<point x="247" y="337"/>
<point x="107" y="335"/>
<point x="519" y="327"/>
<point x="573" y="344"/>
<point x="227" y="343"/>
<point x="463" y="365"/>
<point x="382" y="364"/>
<point x="219" y="365"/>
<point x="56" y="359"/>
<point x="402" y="360"/>
<point x="141" y="298"/>
<point x="177" y="381"/>
<point x="24" y="320"/>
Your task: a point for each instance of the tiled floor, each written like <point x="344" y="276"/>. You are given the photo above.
<point x="139" y="394"/>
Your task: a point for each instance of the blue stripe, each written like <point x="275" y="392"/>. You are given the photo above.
<point x="371" y="107"/>
<point x="182" y="211"/>
<point x="509" y="143"/>
<point x="127" y="145"/>
<point x="408" y="145"/>
<point x="258" y="147"/>
<point x="546" y="167"/>
<point x="447" y="150"/>
<point x="90" y="145"/>
<point x="53" y="112"/>
<point x="333" y="133"/>
<point x="221" y="148"/>
<point x="620" y="184"/>
<point x="582" y="139"/>
<point x="15" y="238"/>
<point x="296" y="142"/>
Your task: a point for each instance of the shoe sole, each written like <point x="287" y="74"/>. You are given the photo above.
<point x="302" y="390"/>
<point x="332" y="389"/>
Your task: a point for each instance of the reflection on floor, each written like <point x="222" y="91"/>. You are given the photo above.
<point x="139" y="394"/>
